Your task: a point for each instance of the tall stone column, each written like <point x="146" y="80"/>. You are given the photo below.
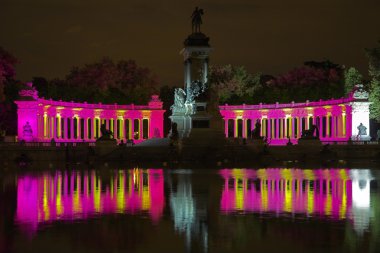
<point x="64" y="134"/>
<point x="235" y="128"/>
<point x="244" y="128"/>
<point x="188" y="75"/>
<point x="132" y="128"/>
<point x="93" y="128"/>
<point x="320" y="126"/>
<point x="141" y="128"/>
<point x="205" y="70"/>
<point x="115" y="126"/>
<point x="226" y="127"/>
<point x="72" y="128"/>
<point x="85" y="130"/>
<point x="278" y="131"/>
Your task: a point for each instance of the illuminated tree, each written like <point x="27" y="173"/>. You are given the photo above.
<point x="233" y="84"/>
<point x="7" y="70"/>
<point x="351" y="77"/>
<point x="373" y="55"/>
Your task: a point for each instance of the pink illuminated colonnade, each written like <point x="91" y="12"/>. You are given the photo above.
<point x="336" y="120"/>
<point x="310" y="192"/>
<point x="79" y="195"/>
<point x="42" y="120"/>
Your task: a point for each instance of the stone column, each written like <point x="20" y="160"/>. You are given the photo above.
<point x="278" y="130"/>
<point x="85" y="130"/>
<point x="93" y="129"/>
<point x="244" y="128"/>
<point x="115" y="126"/>
<point x="188" y="75"/>
<point x="79" y="128"/>
<point x="235" y="128"/>
<point x="299" y="131"/>
<point x="205" y="70"/>
<point x="320" y="126"/>
<point x="141" y="128"/>
<point x="72" y="128"/>
<point x="132" y="128"/>
<point x="122" y="129"/>
<point x="328" y="116"/>
<point x="226" y="127"/>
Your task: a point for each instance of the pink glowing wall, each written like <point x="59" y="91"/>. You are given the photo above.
<point x="80" y="195"/>
<point x="48" y="119"/>
<point x="337" y="111"/>
<point x="309" y="192"/>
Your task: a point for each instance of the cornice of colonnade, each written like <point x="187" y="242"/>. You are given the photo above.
<point x="88" y="110"/>
<point x="332" y="107"/>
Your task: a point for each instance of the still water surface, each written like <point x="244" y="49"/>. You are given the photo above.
<point x="191" y="210"/>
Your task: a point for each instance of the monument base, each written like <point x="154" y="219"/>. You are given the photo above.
<point x="183" y="124"/>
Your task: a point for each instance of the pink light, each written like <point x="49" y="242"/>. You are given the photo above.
<point x="47" y="198"/>
<point x="317" y="192"/>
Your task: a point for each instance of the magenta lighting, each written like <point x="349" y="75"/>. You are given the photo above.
<point x="324" y="192"/>
<point x="336" y="120"/>
<point x="41" y="120"/>
<point x="82" y="194"/>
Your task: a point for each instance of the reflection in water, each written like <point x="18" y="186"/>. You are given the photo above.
<point x="201" y="214"/>
<point x="80" y="194"/>
<point x="335" y="193"/>
<point x="188" y="218"/>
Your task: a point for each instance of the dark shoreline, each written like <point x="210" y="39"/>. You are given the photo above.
<point x="242" y="156"/>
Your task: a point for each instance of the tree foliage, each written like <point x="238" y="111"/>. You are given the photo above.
<point x="233" y="83"/>
<point x="103" y="81"/>
<point x="351" y="77"/>
<point x="373" y="55"/>
<point x="313" y="81"/>
<point x="7" y="70"/>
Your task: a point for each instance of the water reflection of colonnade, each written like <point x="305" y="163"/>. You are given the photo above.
<point x="310" y="192"/>
<point x="81" y="194"/>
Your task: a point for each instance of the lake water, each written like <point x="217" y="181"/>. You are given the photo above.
<point x="191" y="210"/>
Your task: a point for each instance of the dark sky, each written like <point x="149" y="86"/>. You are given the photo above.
<point x="270" y="36"/>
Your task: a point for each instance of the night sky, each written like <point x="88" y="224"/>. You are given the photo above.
<point x="271" y="36"/>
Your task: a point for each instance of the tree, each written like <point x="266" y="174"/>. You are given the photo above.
<point x="233" y="83"/>
<point x="351" y="77"/>
<point x="373" y="55"/>
<point x="313" y="81"/>
<point x="7" y="70"/>
<point x="103" y="81"/>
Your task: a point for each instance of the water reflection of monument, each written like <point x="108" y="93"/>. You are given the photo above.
<point x="82" y="194"/>
<point x="334" y="193"/>
<point x="189" y="215"/>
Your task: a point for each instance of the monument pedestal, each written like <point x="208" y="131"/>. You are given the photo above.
<point x="183" y="124"/>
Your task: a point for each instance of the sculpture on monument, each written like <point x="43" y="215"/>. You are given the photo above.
<point x="359" y="92"/>
<point x="257" y="130"/>
<point x="179" y="101"/>
<point x="196" y="20"/>
<point x="311" y="133"/>
<point x="106" y="134"/>
<point x="362" y="130"/>
<point x="27" y="131"/>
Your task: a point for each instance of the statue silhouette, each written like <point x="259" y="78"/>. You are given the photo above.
<point x="196" y="20"/>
